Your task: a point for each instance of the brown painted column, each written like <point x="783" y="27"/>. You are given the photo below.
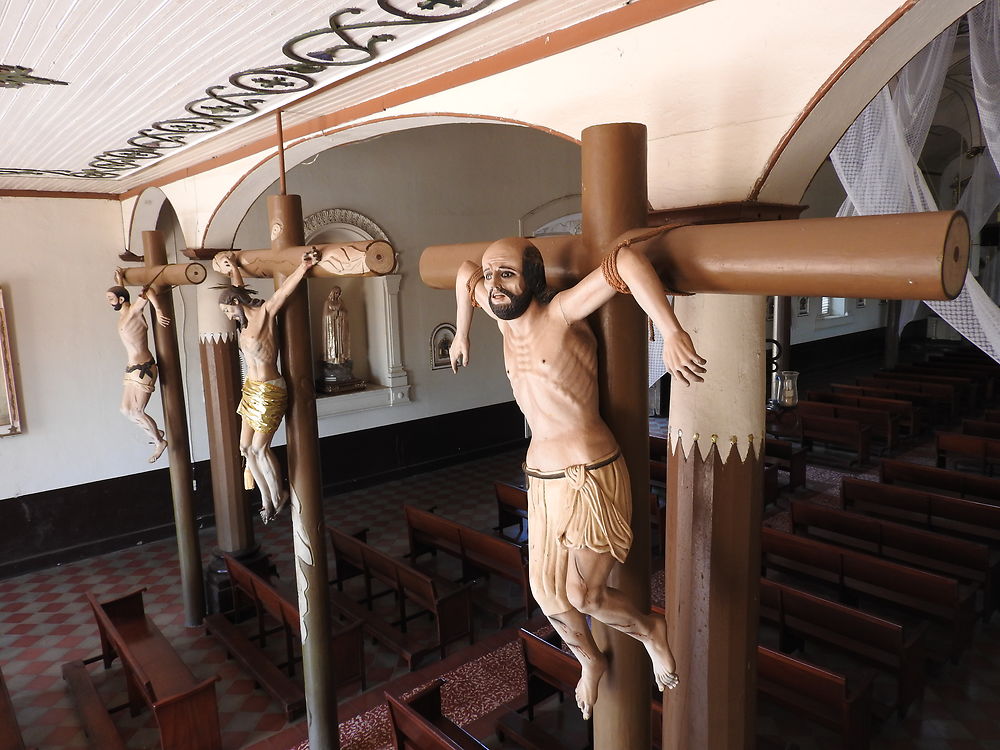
<point x="171" y="386"/>
<point x="783" y="330"/>
<point x="892" y="313"/>
<point x="614" y="200"/>
<point x="714" y="495"/>
<point x="285" y="216"/>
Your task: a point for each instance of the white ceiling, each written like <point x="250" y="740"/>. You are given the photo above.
<point x="136" y="72"/>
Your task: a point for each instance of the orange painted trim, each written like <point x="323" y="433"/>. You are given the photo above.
<point x="58" y="194"/>
<point x="613" y="22"/>
<point x="823" y="91"/>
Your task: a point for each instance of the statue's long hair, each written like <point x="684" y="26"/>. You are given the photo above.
<point x="238" y="295"/>
<point x="533" y="268"/>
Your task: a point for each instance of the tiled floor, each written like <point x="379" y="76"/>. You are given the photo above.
<point x="44" y="622"/>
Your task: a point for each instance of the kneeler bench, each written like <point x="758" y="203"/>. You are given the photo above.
<point x="417" y="722"/>
<point x="156" y="677"/>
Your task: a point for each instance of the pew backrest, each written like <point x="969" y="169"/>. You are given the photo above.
<point x="931" y="477"/>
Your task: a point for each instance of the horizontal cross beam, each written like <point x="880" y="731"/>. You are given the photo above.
<point x="897" y="256"/>
<point x="364" y="258"/>
<point x="171" y="274"/>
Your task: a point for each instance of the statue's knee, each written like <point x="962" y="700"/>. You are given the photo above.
<point x="584" y="598"/>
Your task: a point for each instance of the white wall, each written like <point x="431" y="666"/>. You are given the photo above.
<point x="823" y="198"/>
<point x="57" y="257"/>
<point x="435" y="185"/>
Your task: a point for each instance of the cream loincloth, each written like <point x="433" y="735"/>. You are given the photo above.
<point x="585" y="507"/>
<point x="134" y="376"/>
<point x="263" y="404"/>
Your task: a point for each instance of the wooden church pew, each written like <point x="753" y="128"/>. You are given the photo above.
<point x="967" y="391"/>
<point x="981" y="428"/>
<point x="886" y="645"/>
<point x="957" y="447"/>
<point x="479" y="554"/>
<point x="852" y="573"/>
<point x="884" y="425"/>
<point x="418" y="724"/>
<point x="944" y="481"/>
<point x="185" y="708"/>
<point x="908" y="416"/>
<point x="512" y="508"/>
<point x="969" y="562"/>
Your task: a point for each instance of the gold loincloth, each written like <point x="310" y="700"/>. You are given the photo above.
<point x="134" y="376"/>
<point x="263" y="404"/>
<point x="584" y="507"/>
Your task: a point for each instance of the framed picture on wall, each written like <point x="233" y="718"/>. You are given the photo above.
<point x="770" y="308"/>
<point x="862" y="302"/>
<point x="803" y="308"/>
<point x="440" y="343"/>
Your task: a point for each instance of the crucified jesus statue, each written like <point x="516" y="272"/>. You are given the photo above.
<point x="140" y="372"/>
<point x="579" y="499"/>
<point x="264" y="393"/>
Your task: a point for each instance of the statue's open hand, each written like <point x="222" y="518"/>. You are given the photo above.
<point x="458" y="353"/>
<point x="681" y="359"/>
<point x="163" y="320"/>
<point x="120" y="276"/>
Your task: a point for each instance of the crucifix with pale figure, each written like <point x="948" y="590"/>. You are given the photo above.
<point x="539" y="292"/>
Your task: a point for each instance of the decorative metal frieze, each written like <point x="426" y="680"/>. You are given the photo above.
<point x="17" y="76"/>
<point x="316" y="221"/>
<point x="340" y="44"/>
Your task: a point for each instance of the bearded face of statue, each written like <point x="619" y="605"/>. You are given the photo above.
<point x="235" y="313"/>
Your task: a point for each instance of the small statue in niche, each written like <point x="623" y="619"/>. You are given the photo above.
<point x="265" y="394"/>
<point x="140" y="371"/>
<point x="579" y="499"/>
<point x="338" y="368"/>
<point x="336" y="330"/>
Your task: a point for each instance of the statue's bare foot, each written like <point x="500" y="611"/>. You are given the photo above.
<point x="161" y="445"/>
<point x="282" y="502"/>
<point x="586" y="688"/>
<point x="265" y="516"/>
<point x="659" y="654"/>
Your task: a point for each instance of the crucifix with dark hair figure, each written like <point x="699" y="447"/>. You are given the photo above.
<point x="579" y="499"/>
<point x="140" y="371"/>
<point x="265" y="395"/>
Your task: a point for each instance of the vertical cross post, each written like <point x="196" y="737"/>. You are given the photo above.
<point x="614" y="200"/>
<point x="175" y="421"/>
<point x="285" y="219"/>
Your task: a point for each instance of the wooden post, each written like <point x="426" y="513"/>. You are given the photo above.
<point x="285" y="218"/>
<point x="891" y="354"/>
<point x="614" y="200"/>
<point x="171" y="387"/>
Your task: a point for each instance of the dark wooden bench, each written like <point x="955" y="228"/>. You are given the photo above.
<point x="943" y="481"/>
<point x="884" y="644"/>
<point x="450" y="606"/>
<point x="346" y="642"/>
<point x="10" y="732"/>
<point x="945" y="396"/>
<point x="854" y="573"/>
<point x="933" y="410"/>
<point x="969" y="562"/>
<point x="788" y="458"/>
<point x="884" y="424"/>
<point x="967" y="392"/>
<point x="550" y="671"/>
<point x="983" y="452"/>
<point x="818" y="694"/>
<point x="844" y="433"/>
<point x="156" y="677"/>
<point x="992" y="415"/>
<point x="480" y="554"/>
<point x="417" y="723"/>
<point x="984" y="378"/>
<point x="952" y="515"/>
<point x="981" y="428"/>
<point x="512" y="508"/>
<point x="909" y="417"/>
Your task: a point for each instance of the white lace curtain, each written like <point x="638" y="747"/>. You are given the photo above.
<point x="876" y="159"/>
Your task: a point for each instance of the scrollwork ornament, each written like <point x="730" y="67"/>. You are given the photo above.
<point x="308" y="54"/>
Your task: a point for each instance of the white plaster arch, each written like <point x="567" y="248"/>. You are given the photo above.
<point x="847" y="92"/>
<point x="145" y="213"/>
<point x="225" y="220"/>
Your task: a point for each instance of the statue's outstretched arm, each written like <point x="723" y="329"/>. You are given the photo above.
<point x="468" y="281"/>
<point x="283" y="292"/>
<point x="630" y="271"/>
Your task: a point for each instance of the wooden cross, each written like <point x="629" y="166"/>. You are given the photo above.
<point x="159" y="276"/>
<point x="365" y="258"/>
<point x="917" y="256"/>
